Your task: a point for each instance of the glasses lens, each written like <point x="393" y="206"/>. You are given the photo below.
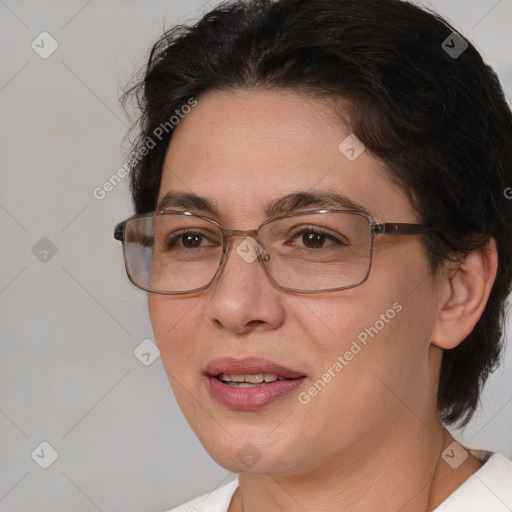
<point x="319" y="251"/>
<point x="172" y="252"/>
<point x="175" y="253"/>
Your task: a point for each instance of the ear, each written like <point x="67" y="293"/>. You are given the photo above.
<point x="465" y="288"/>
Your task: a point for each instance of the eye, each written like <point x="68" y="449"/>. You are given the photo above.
<point x="316" y="238"/>
<point x="190" y="240"/>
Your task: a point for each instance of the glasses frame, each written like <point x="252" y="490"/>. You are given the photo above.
<point x="376" y="228"/>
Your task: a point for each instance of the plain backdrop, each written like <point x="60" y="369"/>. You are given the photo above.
<point x="70" y="320"/>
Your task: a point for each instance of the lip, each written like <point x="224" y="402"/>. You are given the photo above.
<point x="249" y="365"/>
<point x="254" y="398"/>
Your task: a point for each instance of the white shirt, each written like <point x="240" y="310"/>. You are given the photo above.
<point x="487" y="490"/>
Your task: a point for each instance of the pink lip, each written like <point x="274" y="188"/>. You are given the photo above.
<point x="250" y="399"/>
<point x="249" y="365"/>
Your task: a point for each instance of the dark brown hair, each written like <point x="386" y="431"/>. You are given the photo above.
<point x="438" y="120"/>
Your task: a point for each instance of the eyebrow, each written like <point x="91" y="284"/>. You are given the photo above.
<point x="292" y="202"/>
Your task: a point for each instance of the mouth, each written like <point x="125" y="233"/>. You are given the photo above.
<point x="251" y="383"/>
<point x="248" y="380"/>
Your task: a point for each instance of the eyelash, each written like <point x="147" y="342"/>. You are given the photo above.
<point x="173" y="239"/>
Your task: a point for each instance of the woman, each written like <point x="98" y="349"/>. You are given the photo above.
<point x="322" y="228"/>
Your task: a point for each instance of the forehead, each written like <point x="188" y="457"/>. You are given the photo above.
<point x="245" y="148"/>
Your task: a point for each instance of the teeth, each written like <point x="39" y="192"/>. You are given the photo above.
<point x="254" y="379"/>
<point x="250" y="379"/>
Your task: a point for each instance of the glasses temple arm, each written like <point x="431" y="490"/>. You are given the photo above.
<point x="403" y="229"/>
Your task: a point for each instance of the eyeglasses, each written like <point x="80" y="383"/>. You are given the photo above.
<point x="175" y="252"/>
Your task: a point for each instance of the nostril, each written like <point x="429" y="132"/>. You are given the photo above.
<point x="254" y="322"/>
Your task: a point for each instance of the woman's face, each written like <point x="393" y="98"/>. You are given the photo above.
<point x="363" y="357"/>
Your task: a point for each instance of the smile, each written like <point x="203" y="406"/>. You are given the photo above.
<point x="244" y="381"/>
<point x="250" y="384"/>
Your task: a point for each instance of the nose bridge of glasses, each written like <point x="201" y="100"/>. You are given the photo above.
<point x="248" y="253"/>
<point x="228" y="234"/>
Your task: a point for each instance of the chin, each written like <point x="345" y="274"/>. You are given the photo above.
<point x="246" y="453"/>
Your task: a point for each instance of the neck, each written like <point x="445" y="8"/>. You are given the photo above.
<point x="406" y="474"/>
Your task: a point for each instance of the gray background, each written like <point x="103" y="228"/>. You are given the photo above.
<point x="70" y="321"/>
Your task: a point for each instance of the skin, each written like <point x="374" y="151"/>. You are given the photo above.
<point x="372" y="435"/>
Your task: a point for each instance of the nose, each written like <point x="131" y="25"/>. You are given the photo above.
<point x="242" y="298"/>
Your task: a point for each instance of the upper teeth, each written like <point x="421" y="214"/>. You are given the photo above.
<point x="252" y="379"/>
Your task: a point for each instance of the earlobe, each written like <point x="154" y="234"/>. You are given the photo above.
<point x="465" y="291"/>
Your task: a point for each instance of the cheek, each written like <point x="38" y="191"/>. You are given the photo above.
<point x="383" y="327"/>
<point x="174" y="324"/>
<point x="347" y="334"/>
<point x="357" y="375"/>
<point x="330" y="325"/>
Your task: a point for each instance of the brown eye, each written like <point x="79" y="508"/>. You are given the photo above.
<point x="313" y="240"/>
<point x="184" y="239"/>
<point x="191" y="240"/>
